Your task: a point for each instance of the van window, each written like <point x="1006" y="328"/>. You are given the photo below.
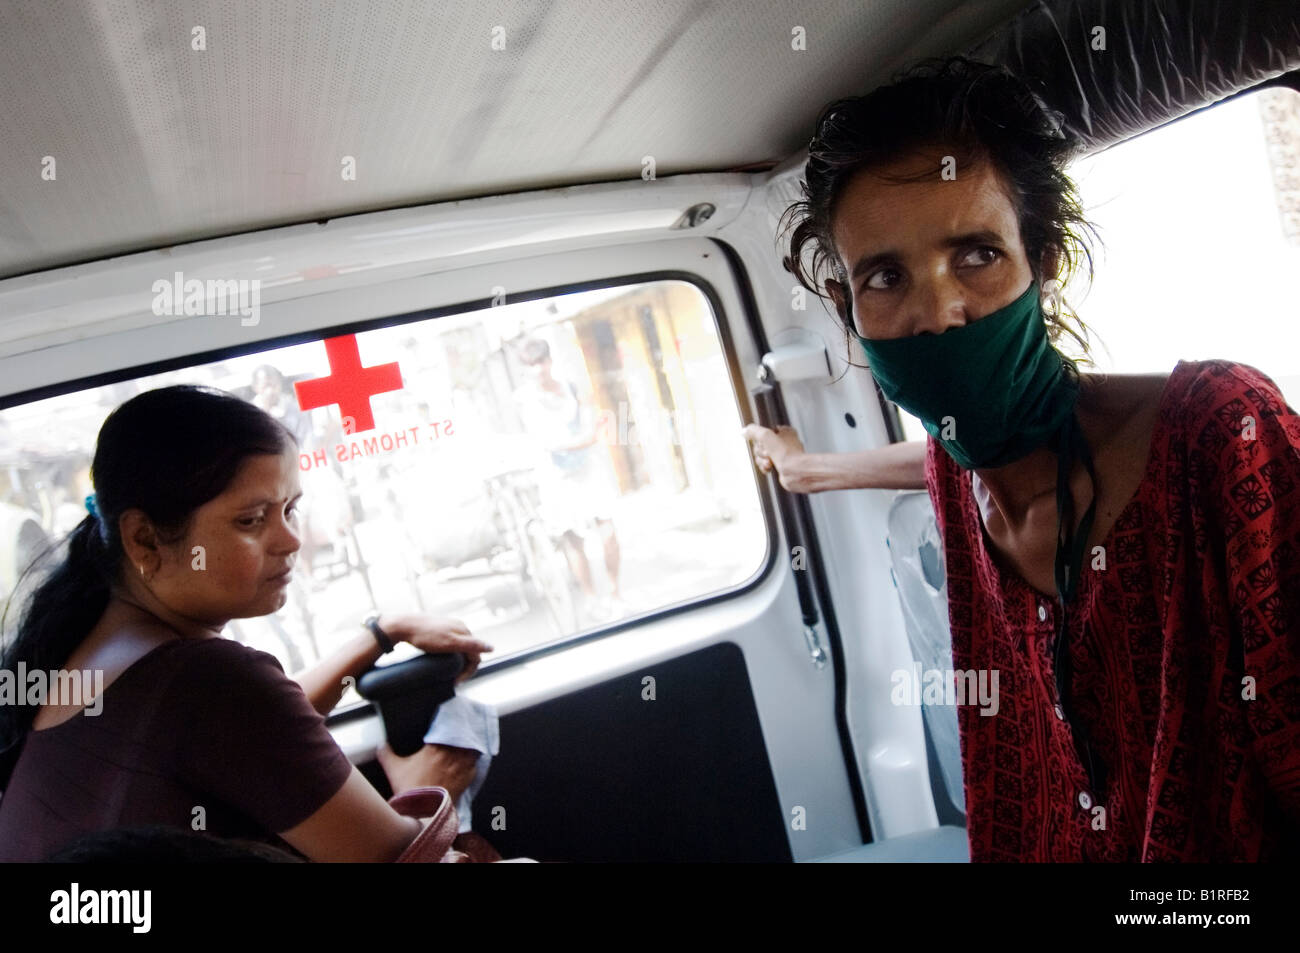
<point x="536" y="469"/>
<point x="1200" y="242"/>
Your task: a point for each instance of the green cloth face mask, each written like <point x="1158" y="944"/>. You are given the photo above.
<point x="989" y="392"/>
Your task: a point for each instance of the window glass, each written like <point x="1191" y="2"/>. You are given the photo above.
<point x="536" y="469"/>
<point x="1200" y="244"/>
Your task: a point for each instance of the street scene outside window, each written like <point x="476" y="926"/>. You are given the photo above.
<point x="536" y="469"/>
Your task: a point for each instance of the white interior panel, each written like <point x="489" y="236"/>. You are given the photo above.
<point x="156" y="142"/>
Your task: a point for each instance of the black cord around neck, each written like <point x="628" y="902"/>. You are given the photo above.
<point x="1069" y="567"/>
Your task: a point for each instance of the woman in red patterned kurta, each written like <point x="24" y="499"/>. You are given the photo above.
<point x="1184" y="651"/>
<point x="1147" y="652"/>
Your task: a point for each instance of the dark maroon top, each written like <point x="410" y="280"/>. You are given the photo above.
<point x="198" y="723"/>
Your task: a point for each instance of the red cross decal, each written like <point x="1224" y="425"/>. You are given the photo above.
<point x="349" y="384"/>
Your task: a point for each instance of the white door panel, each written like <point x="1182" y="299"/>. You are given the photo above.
<point x="793" y="697"/>
<point x="889" y="740"/>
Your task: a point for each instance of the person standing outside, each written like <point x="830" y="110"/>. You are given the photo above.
<point x="577" y="485"/>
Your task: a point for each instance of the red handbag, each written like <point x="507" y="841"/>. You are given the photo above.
<point x="440" y="842"/>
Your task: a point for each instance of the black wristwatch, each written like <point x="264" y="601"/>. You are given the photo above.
<point x="372" y="623"/>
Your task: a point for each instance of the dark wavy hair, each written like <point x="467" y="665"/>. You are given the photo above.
<point x="976" y="112"/>
<point x="165" y="452"/>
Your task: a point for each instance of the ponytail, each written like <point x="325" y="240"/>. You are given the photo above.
<point x="58" y="616"/>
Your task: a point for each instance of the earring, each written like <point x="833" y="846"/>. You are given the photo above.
<point x="141" y="568"/>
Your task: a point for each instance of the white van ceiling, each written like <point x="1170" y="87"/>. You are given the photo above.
<point x="155" y="142"/>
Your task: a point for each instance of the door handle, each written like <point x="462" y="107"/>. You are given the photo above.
<point x="800" y="357"/>
<point x="794" y="516"/>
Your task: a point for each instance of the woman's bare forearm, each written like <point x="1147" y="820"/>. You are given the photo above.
<point x="323" y="682"/>
<point x="898" y="466"/>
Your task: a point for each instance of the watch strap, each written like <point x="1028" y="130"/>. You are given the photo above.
<point x="382" y="637"/>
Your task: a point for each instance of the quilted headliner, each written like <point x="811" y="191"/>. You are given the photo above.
<point x="156" y="143"/>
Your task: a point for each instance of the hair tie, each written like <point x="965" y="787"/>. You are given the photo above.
<point x="91" y="508"/>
